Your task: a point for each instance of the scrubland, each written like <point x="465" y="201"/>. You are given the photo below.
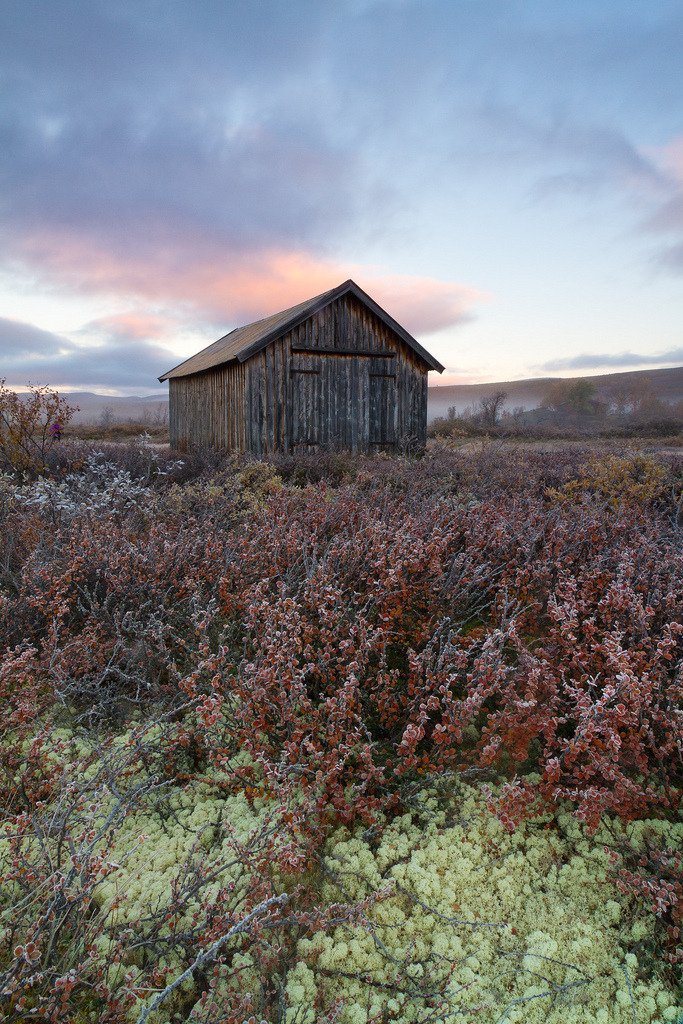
<point x="334" y="739"/>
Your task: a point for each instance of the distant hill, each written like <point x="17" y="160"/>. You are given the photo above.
<point x="666" y="385"/>
<point x="141" y="408"/>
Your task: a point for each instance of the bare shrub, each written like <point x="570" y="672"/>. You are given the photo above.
<point x="30" y="427"/>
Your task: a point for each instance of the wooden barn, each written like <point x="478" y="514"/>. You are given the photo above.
<point x="335" y="371"/>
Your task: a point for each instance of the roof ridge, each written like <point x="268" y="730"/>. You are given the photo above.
<point x="249" y="339"/>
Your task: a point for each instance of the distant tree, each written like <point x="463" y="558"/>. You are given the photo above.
<point x="650" y="407"/>
<point x="160" y="414"/>
<point x="516" y="416"/>
<point x="573" y="399"/>
<point x="107" y="416"/>
<point x="636" y="403"/>
<point x="619" y="401"/>
<point x="645" y="403"/>
<point x="625" y="397"/>
<point x="491" y="407"/>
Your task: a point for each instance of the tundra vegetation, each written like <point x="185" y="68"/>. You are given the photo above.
<point x="341" y="740"/>
<point x="570" y="408"/>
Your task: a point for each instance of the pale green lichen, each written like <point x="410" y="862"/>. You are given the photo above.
<point x="473" y="921"/>
<point x="545" y="942"/>
<point x="153" y="848"/>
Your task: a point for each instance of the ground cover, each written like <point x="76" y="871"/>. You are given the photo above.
<point x="335" y="739"/>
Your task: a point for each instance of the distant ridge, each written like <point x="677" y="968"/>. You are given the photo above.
<point x="91" y="406"/>
<point x="666" y="384"/>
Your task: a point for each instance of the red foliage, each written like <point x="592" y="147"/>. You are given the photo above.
<point x="420" y="618"/>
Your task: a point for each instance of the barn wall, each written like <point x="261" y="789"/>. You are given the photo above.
<point x="353" y="383"/>
<point x="341" y="379"/>
<point x="207" y="409"/>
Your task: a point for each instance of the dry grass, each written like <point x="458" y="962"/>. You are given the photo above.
<point x="118" y="431"/>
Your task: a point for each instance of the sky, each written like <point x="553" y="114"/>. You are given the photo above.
<point x="505" y="177"/>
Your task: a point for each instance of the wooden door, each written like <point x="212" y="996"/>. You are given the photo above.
<point x="382" y="410"/>
<point x="306" y="419"/>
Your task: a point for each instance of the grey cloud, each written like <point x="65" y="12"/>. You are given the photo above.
<point x="31" y="355"/>
<point x="607" y="163"/>
<point x="667" y="222"/>
<point x="191" y="133"/>
<point x="535" y="86"/>
<point x="179" y="184"/>
<point x="669" y="217"/>
<point x="137" y="127"/>
<point x="603" y="156"/>
<point x="22" y="340"/>
<point x="586" y="156"/>
<point x="131" y="365"/>
<point x="140" y="122"/>
<point x="592" y="361"/>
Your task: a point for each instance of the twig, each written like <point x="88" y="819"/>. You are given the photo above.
<point x="210" y="953"/>
<point x="541" y="995"/>
<point x="630" y="993"/>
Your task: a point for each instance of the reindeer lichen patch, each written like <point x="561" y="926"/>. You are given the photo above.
<point x="484" y="924"/>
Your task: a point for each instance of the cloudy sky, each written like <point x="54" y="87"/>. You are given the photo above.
<point x="504" y="176"/>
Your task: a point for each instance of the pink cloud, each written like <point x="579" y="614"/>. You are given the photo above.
<point x="448" y="379"/>
<point x="234" y="286"/>
<point x="135" y="325"/>
<point x="422" y="304"/>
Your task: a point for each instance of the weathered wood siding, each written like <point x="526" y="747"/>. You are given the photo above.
<point x="208" y="409"/>
<point x="354" y="383"/>
<point x="341" y="379"/>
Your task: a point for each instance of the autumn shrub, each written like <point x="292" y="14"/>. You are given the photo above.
<point x="320" y="650"/>
<point x="333" y="467"/>
<point x="31" y="426"/>
<point x="617" y="479"/>
<point x="142" y="459"/>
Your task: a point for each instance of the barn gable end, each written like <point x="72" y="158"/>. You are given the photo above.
<point x="338" y="373"/>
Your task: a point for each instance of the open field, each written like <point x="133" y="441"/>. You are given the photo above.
<point x="666" y="385"/>
<point x="336" y="739"/>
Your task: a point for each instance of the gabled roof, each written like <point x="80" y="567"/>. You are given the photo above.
<point x="244" y="342"/>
